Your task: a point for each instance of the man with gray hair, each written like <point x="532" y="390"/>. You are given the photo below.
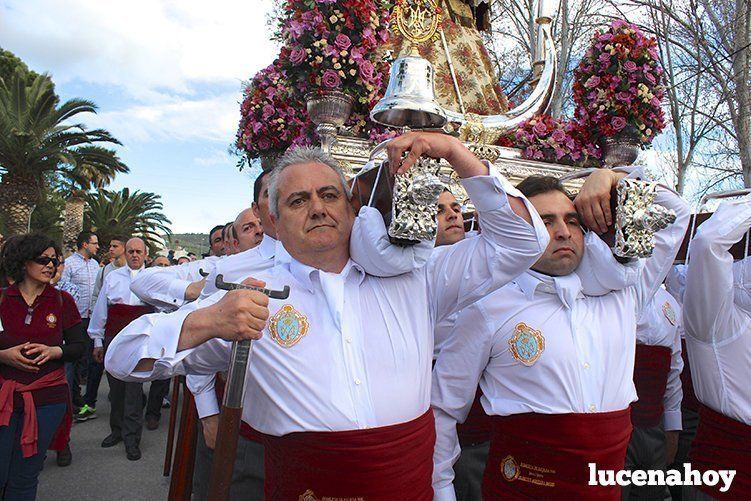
<point x="338" y="383"/>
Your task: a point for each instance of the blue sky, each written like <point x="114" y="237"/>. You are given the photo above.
<point x="167" y="77"/>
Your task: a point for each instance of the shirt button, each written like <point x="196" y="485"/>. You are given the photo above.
<point x="592" y="408"/>
<point x="349" y="340"/>
<point x="585" y="365"/>
<point x="357" y="381"/>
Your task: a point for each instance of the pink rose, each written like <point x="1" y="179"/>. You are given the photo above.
<point x="331" y="79"/>
<point x="268" y="111"/>
<point x="592" y="82"/>
<point x="650" y="78"/>
<point x="263" y="144"/>
<point x="618" y="123"/>
<point x="604" y="57"/>
<point x="630" y="66"/>
<point x="540" y="128"/>
<point x="558" y="136"/>
<point x="297" y="55"/>
<point x="342" y="41"/>
<point x="366" y="70"/>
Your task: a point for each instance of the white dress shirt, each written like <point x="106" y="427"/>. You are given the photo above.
<point x="115" y="290"/>
<point x="366" y="358"/>
<point x="718" y="328"/>
<point x="164" y="287"/>
<point x="661" y="325"/>
<point x="82" y="272"/>
<point x="587" y="362"/>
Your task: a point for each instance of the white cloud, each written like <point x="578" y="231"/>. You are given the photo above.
<point x="140" y="45"/>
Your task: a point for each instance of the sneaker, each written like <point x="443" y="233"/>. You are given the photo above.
<point x="85" y="414"/>
<point x="64" y="457"/>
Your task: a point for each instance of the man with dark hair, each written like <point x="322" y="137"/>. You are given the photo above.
<point x="216" y="243"/>
<point x="95" y="369"/>
<point x="555" y="366"/>
<point x="81" y="269"/>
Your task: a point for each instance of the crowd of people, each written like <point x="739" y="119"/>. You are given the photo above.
<point x="492" y="364"/>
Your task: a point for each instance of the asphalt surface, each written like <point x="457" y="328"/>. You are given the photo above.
<point x="106" y="474"/>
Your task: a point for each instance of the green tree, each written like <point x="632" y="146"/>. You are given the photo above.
<point x="9" y="63"/>
<point x="36" y="138"/>
<point x="121" y="212"/>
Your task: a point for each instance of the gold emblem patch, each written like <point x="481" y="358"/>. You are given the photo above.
<point x="510" y="469"/>
<point x="288" y="326"/>
<point x="51" y="320"/>
<point x="527" y="344"/>
<point x="669" y="312"/>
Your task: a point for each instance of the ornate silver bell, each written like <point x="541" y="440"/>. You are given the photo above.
<point x="410" y="97"/>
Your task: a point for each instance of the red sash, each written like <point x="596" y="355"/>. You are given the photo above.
<point x="120" y="315"/>
<point x="377" y="464"/>
<point x="246" y="431"/>
<point x="477" y="428"/>
<point x="689" y="397"/>
<point x="722" y="443"/>
<point x="651" y="368"/>
<point x="540" y="456"/>
<point x="30" y="430"/>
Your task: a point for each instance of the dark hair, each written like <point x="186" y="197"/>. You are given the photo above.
<point x="17" y="251"/>
<point x="214" y="230"/>
<point x="537" y="185"/>
<point x="257" y="185"/>
<point x="84" y="238"/>
<point x="120" y="238"/>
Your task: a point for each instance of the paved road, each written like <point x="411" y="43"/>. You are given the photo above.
<point x="106" y="474"/>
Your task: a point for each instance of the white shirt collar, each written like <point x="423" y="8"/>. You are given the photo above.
<point x="304" y="273"/>
<point x="267" y="247"/>
<point x="568" y="287"/>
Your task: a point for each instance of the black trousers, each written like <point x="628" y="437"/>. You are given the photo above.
<point x="158" y="390"/>
<point x="126" y="408"/>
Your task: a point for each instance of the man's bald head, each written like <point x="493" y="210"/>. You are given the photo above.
<point x="248" y="229"/>
<point x="135" y="253"/>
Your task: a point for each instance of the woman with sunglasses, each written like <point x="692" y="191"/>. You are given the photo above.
<point x="41" y="330"/>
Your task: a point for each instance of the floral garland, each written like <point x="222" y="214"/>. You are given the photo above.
<point x="273" y="115"/>
<point x="618" y="84"/>
<point x="547" y="139"/>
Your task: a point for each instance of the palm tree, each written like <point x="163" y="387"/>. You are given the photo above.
<point x="34" y="140"/>
<point x="139" y="214"/>
<point x="97" y="169"/>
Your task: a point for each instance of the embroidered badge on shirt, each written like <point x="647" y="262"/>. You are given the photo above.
<point x="288" y="326"/>
<point x="669" y="312"/>
<point x="51" y="320"/>
<point x="527" y="344"/>
<point x="510" y="469"/>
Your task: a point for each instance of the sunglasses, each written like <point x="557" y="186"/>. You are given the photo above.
<point x="45" y="260"/>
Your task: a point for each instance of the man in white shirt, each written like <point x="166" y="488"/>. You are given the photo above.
<point x="656" y="415"/>
<point x="116" y="307"/>
<point x="315" y="369"/>
<point x="216" y="243"/>
<point x="717" y="320"/>
<point x="248" y="229"/>
<point x="95" y="369"/>
<point x="555" y="366"/>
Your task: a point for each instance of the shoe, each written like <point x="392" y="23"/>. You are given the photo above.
<point x="64" y="457"/>
<point x="85" y="413"/>
<point x="166" y="403"/>
<point x="111" y="440"/>
<point x="133" y="452"/>
<point x="152" y="423"/>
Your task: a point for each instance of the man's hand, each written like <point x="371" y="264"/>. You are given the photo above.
<point x="239" y="315"/>
<point x="194" y="290"/>
<point x="15" y="357"/>
<point x="210" y="425"/>
<point x="98" y="354"/>
<point x="433" y="145"/>
<point x="593" y="201"/>
<point x="671" y="446"/>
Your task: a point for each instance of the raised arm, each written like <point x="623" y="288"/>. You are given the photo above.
<point x="709" y="312"/>
<point x="456" y="375"/>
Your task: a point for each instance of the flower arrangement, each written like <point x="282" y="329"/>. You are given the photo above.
<point x="618" y="84"/>
<point x="336" y="45"/>
<point x="273" y="114"/>
<point x="567" y="142"/>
